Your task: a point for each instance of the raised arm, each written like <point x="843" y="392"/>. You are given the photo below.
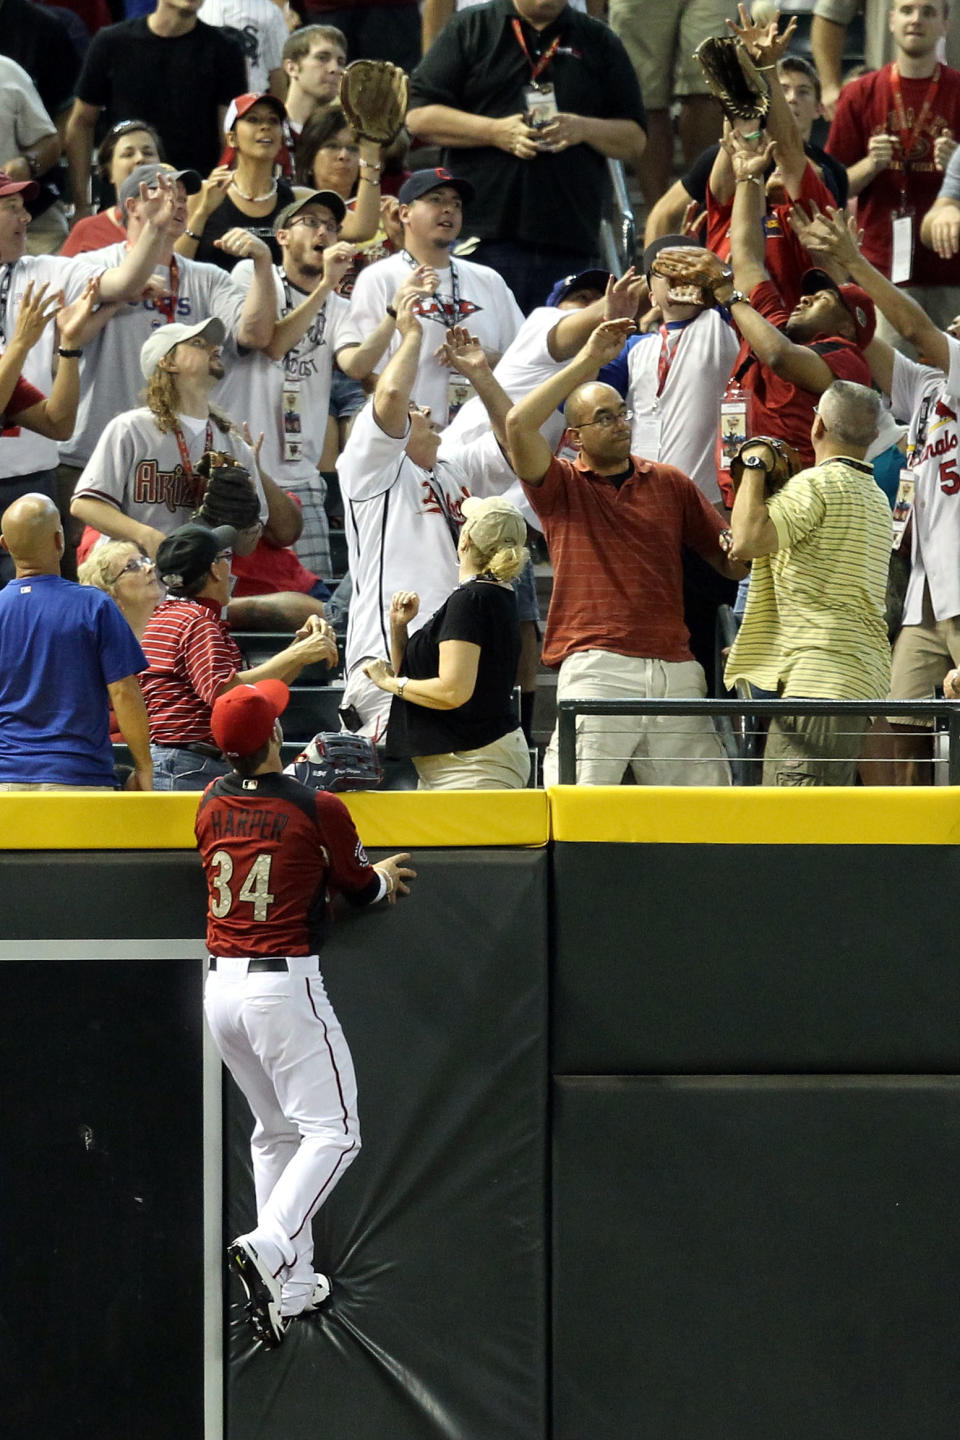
<point x="290" y="329"/>
<point x="529" y="452"/>
<point x="391" y="398"/>
<point x="126" y="280"/>
<point x="360" y="361"/>
<point x="467" y="356"/>
<point x="766" y="46"/>
<point x="835" y="234"/>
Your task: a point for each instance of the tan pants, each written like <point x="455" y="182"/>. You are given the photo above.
<point x="502" y="765"/>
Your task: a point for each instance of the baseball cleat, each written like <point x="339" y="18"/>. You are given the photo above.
<point x="319" y="1295"/>
<point x="263" y="1292"/>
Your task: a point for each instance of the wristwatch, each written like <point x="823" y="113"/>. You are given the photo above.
<point x="737" y="297"/>
<point x="401" y="686"/>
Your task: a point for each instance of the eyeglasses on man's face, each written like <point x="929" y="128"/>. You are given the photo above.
<point x="606" y="419"/>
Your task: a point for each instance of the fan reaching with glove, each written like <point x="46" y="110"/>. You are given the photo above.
<point x="373" y="95"/>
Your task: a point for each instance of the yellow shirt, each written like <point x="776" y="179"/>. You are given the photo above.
<point x="814" y="624"/>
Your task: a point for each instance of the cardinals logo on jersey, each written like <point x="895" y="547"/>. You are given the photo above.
<point x="944" y="411"/>
<point x="444" y="312"/>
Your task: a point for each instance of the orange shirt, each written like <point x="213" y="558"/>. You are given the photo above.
<point x="616" y="552"/>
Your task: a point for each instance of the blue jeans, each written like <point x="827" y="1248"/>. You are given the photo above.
<point x="178" y="769"/>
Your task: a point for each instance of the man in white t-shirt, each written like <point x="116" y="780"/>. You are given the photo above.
<point x="402" y="503"/>
<point x="262" y="31"/>
<point x="28" y="457"/>
<point x="462" y="293"/>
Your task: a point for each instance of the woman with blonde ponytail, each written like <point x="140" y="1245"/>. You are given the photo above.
<point x="453" y="678"/>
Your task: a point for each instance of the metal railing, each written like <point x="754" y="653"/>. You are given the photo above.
<point x="618" y="230"/>
<point x="947" y="712"/>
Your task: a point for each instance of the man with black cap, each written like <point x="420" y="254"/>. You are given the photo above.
<point x="283" y="391"/>
<point x="274" y="854"/>
<point x="180" y="291"/>
<point x="454" y="292"/>
<point x="193" y="658"/>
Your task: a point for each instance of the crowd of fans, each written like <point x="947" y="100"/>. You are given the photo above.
<point x="205" y="270"/>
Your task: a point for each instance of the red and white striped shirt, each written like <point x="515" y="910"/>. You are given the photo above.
<point x="192" y="656"/>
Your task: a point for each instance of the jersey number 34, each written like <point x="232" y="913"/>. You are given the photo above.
<point x="255" y="889"/>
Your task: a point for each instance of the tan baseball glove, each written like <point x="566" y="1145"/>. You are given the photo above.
<point x="733" y="78"/>
<point x="373" y="94"/>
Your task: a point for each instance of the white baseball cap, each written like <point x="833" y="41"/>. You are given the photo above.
<point x="162" y="340"/>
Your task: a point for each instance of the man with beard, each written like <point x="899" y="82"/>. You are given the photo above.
<point x="141" y="481"/>
<point x="457" y="293"/>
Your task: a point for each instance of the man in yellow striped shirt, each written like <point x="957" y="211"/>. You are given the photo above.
<point x="814" y="624"/>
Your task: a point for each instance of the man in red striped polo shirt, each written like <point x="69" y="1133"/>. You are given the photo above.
<point x="193" y="657"/>
<point x="615" y="526"/>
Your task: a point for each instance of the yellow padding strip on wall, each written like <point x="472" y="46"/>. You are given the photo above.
<point x="395" y="820"/>
<point x="683" y="816"/>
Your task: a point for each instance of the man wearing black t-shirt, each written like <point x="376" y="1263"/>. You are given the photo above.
<point x="533" y="96"/>
<point x="168" y="68"/>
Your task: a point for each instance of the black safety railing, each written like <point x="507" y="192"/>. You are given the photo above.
<point x="740" y="716"/>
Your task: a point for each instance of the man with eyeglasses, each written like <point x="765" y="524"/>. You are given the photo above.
<point x="193" y="658"/>
<point x="615" y="525"/>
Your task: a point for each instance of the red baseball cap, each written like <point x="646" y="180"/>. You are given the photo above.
<point x="243" y="718"/>
<point x="240" y="104"/>
<point x="9" y="186"/>
<point x="857" y="302"/>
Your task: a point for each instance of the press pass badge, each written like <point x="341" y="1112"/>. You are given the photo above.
<point x="903" y="506"/>
<point x="459" y="391"/>
<point x="292" y="429"/>
<point x="539" y="105"/>
<point x="902" y="259"/>
<point x="733" y="424"/>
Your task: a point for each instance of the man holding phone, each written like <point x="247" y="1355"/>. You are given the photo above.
<point x="535" y="97"/>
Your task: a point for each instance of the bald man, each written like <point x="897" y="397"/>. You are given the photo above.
<point x="615" y="526"/>
<point x="66" y="656"/>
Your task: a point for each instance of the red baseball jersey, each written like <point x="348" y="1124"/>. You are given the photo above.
<point x="273" y="852"/>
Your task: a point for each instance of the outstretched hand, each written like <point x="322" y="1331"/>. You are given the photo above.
<point x="463" y="352"/>
<point x="767" y="43"/>
<point x="607" y="341"/>
<point x="37" y="309"/>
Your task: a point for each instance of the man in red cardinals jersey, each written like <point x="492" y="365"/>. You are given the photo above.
<point x="273" y="853"/>
<point x="895" y="130"/>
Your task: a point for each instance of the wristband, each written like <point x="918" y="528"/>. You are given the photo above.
<point x="369" y="165"/>
<point x="401" y="686"/>
<point x="391" y="312"/>
<point x="744" y="180"/>
<point x="192" y="235"/>
<point x="70" y="354"/>
<point x="372" y="179"/>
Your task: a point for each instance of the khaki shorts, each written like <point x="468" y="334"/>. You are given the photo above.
<point x="922" y="656"/>
<point x="813" y="749"/>
<point x="660" y="39"/>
